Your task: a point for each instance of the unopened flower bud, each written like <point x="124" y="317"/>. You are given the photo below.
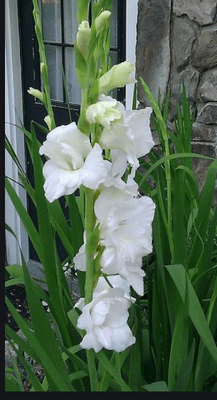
<point x="117" y="76"/>
<point x="36" y="93"/>
<point x="48" y="121"/>
<point x="105" y="111"/>
<point x="101" y="20"/>
<point x="83" y="37"/>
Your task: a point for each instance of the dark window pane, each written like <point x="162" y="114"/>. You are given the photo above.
<point x="51" y="20"/>
<point x="54" y="60"/>
<point x="74" y="91"/>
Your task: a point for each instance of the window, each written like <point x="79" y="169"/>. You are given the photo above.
<point x="59" y="27"/>
<point x="59" y="31"/>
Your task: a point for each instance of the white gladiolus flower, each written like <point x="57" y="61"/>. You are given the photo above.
<point x="105" y="317"/>
<point x="106" y="111"/>
<point x="132" y="136"/>
<point x="72" y="162"/>
<point x="116" y="171"/>
<point x="125" y="232"/>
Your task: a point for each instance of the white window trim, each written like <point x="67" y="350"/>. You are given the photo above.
<point x="14" y="114"/>
<point x="131" y="21"/>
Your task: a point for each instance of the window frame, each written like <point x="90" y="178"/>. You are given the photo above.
<point x="120" y="49"/>
<point x="31" y="69"/>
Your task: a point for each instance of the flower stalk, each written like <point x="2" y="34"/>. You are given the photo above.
<point x="44" y="66"/>
<point x="89" y="248"/>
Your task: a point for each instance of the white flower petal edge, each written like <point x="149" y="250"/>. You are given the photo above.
<point x="125" y="232"/>
<point x="105" y="317"/>
<point x="139" y="124"/>
<point x="116" y="171"/>
<point x="95" y="169"/>
<point x="80" y="259"/>
<point x="106" y="111"/>
<point x="73" y="162"/>
<point x="132" y="136"/>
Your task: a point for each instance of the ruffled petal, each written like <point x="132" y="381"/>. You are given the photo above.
<point x="52" y="187"/>
<point x="90" y="341"/>
<point x="95" y="169"/>
<point x="139" y="124"/>
<point x="121" y="338"/>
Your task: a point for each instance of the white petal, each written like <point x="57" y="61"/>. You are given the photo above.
<point x="80" y="259"/>
<point x="71" y="135"/>
<point x="52" y="187"/>
<point x="121" y="338"/>
<point x="119" y="163"/>
<point x="90" y="341"/>
<point x="95" y="169"/>
<point x="104" y="336"/>
<point x="139" y="123"/>
<point x="80" y="304"/>
<point x="84" y="320"/>
<point x="135" y="278"/>
<point x="99" y="312"/>
<point x="116" y="282"/>
<point x="108" y="198"/>
<point x="116" y="138"/>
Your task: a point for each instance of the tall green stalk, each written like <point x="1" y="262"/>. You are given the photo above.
<point x="168" y="222"/>
<point x="44" y="66"/>
<point x="89" y="248"/>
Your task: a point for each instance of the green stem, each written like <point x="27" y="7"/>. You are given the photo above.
<point x="83" y="125"/>
<point x="163" y="127"/>
<point x="44" y="66"/>
<point x="82" y="10"/>
<point x="90" y="248"/>
<point x="92" y="370"/>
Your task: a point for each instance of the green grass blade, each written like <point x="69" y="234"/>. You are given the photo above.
<point x="202" y="222"/>
<point x="160" y="386"/>
<point x="76" y="225"/>
<point x="183" y="283"/>
<point x="205" y="366"/>
<point x="36" y="385"/>
<point x="11" y="385"/>
<point x="179" y="345"/>
<point x="92" y="370"/>
<point x="179" y="223"/>
<point x="134" y="104"/>
<point x="172" y="157"/>
<point x="48" y="254"/>
<point x="11" y="334"/>
<point x="112" y="371"/>
<point x="66" y="93"/>
<point x="182" y="382"/>
<point x="25" y="218"/>
<point x="14" y="157"/>
<point x="42" y="330"/>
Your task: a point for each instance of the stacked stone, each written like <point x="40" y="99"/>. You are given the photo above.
<point x="175" y="40"/>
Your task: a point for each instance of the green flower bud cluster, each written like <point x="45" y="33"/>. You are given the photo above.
<point x="93" y="64"/>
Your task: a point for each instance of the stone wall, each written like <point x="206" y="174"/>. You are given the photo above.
<point x="177" y="39"/>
